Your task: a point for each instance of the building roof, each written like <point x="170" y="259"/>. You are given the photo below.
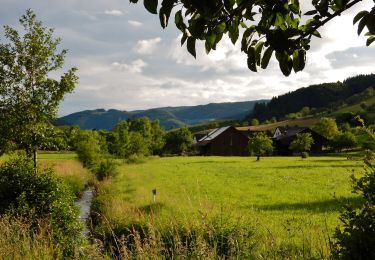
<point x="214" y="133"/>
<point x="289" y="132"/>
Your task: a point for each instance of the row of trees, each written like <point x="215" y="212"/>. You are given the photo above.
<point x="132" y="137"/>
<point x="261" y="144"/>
<point x="338" y="140"/>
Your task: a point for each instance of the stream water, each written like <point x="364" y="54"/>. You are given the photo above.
<point x="85" y="205"/>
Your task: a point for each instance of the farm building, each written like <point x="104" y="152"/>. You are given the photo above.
<point x="285" y="135"/>
<point x="224" y="141"/>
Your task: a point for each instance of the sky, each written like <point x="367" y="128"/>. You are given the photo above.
<point x="126" y="61"/>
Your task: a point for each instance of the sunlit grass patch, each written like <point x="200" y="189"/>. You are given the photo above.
<point x="43" y="155"/>
<point x="71" y="171"/>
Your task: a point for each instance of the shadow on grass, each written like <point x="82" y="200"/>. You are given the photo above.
<point x="319" y="166"/>
<point x="329" y="161"/>
<point x="203" y="162"/>
<point x="350" y="167"/>
<point x="129" y="193"/>
<point x="152" y="208"/>
<point x="335" y="204"/>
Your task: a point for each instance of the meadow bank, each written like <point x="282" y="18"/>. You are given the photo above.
<point x="285" y="205"/>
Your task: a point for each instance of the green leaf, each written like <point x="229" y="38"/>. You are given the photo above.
<point x="211" y="39"/>
<point x="258" y="51"/>
<point x="340" y="3"/>
<point x="243" y="25"/>
<point x="312" y="12"/>
<point x="207" y="47"/>
<point x="191" y="46"/>
<point x="279" y="21"/>
<point x="229" y="4"/>
<point x="285" y="63"/>
<point x="151" y="5"/>
<point x="359" y="16"/>
<point x="251" y="61"/>
<point x="246" y="38"/>
<point x="371" y="23"/>
<point x="362" y="24"/>
<point x="316" y="34"/>
<point x="266" y="57"/>
<point x="370" y="40"/>
<point x="299" y="60"/>
<point x="165" y="12"/>
<point x="179" y="21"/>
<point x="184" y="38"/>
<point x="163" y="17"/>
<point x="233" y="31"/>
<point x="294" y="6"/>
<point x="220" y="28"/>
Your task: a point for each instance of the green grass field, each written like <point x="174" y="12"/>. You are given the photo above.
<point x="286" y="199"/>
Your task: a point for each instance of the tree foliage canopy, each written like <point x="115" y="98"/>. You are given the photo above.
<point x="326" y="127"/>
<point x="178" y="141"/>
<point x="260" y="144"/>
<point x="29" y="96"/>
<point x="264" y="27"/>
<point x="302" y="143"/>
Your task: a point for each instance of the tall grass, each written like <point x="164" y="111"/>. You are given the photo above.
<point x="19" y="241"/>
<point x="72" y="172"/>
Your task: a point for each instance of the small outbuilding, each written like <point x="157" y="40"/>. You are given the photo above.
<point x="285" y="135"/>
<point x="224" y="141"/>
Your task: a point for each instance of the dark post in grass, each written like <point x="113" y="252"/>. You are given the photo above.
<point x="154" y="195"/>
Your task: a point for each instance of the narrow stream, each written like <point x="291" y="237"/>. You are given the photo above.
<point x="85" y="205"/>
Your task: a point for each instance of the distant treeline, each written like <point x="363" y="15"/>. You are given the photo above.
<point x="131" y="137"/>
<point x="314" y="96"/>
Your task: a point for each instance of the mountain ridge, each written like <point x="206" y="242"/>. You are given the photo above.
<point x="169" y="117"/>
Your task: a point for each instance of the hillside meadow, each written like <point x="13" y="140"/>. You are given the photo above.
<point x="291" y="205"/>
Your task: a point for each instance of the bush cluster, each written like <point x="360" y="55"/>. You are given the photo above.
<point x="356" y="238"/>
<point x="38" y="194"/>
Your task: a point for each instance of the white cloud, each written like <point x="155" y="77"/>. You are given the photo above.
<point x="134" y="23"/>
<point x="113" y="12"/>
<point x="147" y="47"/>
<point x="135" y="66"/>
<point x="226" y="57"/>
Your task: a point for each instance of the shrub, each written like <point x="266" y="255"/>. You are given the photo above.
<point x="304" y="155"/>
<point x="345" y="140"/>
<point x="38" y="194"/>
<point x="356" y="238"/>
<point x="88" y="148"/>
<point x="105" y="168"/>
<point x="135" y="158"/>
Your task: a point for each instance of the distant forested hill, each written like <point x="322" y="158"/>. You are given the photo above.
<point x="321" y="96"/>
<point x="169" y="117"/>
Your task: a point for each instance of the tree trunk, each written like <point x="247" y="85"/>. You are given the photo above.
<point x="258" y="157"/>
<point x="35" y="158"/>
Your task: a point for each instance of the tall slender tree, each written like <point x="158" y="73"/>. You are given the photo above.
<point x="29" y="95"/>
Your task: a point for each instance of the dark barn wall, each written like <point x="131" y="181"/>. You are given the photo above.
<point x="282" y="145"/>
<point x="229" y="143"/>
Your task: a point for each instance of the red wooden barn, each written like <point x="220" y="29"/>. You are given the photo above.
<point x="224" y="141"/>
